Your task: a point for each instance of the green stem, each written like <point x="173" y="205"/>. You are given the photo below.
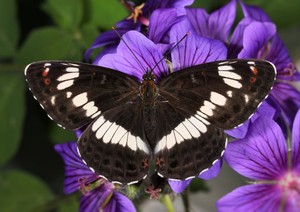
<point x="185" y="200"/>
<point x="166" y="200"/>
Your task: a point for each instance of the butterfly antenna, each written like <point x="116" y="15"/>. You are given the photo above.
<point x="168" y="52"/>
<point x="139" y="62"/>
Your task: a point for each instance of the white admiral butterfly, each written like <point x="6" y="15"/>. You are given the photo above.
<point x="175" y="124"/>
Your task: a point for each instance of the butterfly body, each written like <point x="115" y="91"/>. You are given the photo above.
<point x="175" y="123"/>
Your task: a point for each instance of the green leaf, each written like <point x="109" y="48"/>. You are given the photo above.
<point x="69" y="204"/>
<point x="59" y="135"/>
<point x="198" y="185"/>
<point x="9" y="29"/>
<point x="65" y="13"/>
<point x="49" y="43"/>
<point x="283" y="13"/>
<point x="11" y="112"/>
<point x="104" y="14"/>
<point x="21" y="191"/>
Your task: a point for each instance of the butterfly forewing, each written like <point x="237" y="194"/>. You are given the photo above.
<point x="225" y="93"/>
<point x="73" y="94"/>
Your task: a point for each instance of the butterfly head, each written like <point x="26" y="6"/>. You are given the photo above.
<point x="148" y="91"/>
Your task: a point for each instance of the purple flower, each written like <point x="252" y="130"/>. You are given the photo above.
<point x="158" y="15"/>
<point x="264" y="156"/>
<point x="256" y="37"/>
<point x="97" y="192"/>
<point x="216" y="25"/>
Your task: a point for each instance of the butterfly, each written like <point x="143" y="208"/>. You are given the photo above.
<point x="175" y="124"/>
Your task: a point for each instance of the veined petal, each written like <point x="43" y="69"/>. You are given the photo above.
<point x="217" y="25"/>
<point x="75" y="169"/>
<point x="251" y="198"/>
<point x="194" y="49"/>
<point x="212" y="172"/>
<point x="254" y="12"/>
<point x="256" y="37"/>
<point x="288" y="98"/>
<point x="179" y="186"/>
<point x="296" y="142"/>
<point x="146" y="52"/>
<point x="119" y="203"/>
<point x="262" y="154"/>
<point x="279" y="55"/>
<point x="95" y="199"/>
<point x="160" y="23"/>
<point x="179" y="5"/>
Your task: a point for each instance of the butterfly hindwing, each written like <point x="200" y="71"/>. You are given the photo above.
<point x="73" y="94"/>
<point x="114" y="145"/>
<point x="225" y="93"/>
<point x="189" y="144"/>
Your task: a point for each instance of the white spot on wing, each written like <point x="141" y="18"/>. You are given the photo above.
<point x="90" y="108"/>
<point x="109" y="133"/>
<point x="191" y="128"/>
<point x="225" y="68"/>
<point x="80" y="99"/>
<point x="100" y="132"/>
<point x="65" y="84"/>
<point x="232" y="83"/>
<point x="131" y="142"/>
<point x="230" y="74"/>
<point x="229" y="93"/>
<point x="72" y="69"/>
<point x="217" y="98"/>
<point x="98" y="123"/>
<point x="53" y="100"/>
<point x="67" y="76"/>
<point x="69" y="94"/>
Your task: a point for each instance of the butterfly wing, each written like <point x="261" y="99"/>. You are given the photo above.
<point x="114" y="145"/>
<point x="204" y="100"/>
<point x="224" y="93"/>
<point x="73" y="94"/>
<point x="185" y="144"/>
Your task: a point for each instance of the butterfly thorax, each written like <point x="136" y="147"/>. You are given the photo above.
<point x="148" y="90"/>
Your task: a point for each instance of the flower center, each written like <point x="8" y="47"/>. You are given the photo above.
<point x="90" y="183"/>
<point x="290" y="185"/>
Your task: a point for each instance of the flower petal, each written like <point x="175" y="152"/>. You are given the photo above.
<point x="262" y="154"/>
<point x="296" y="142"/>
<point x="279" y="55"/>
<point x="217" y="25"/>
<point x="256" y="36"/>
<point x="179" y="5"/>
<point x="160" y="23"/>
<point x="95" y="199"/>
<point x="194" y="49"/>
<point x="288" y="98"/>
<point x="254" y="12"/>
<point x="119" y="203"/>
<point x="75" y="169"/>
<point x="146" y="52"/>
<point x="110" y="37"/>
<point x="213" y="171"/>
<point x="179" y="186"/>
<point x="251" y="198"/>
